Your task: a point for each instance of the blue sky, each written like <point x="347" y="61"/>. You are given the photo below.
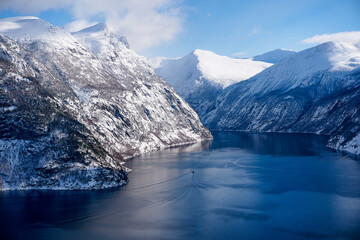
<point x="241" y="28"/>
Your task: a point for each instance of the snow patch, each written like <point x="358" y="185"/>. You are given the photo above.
<point x="7" y="109"/>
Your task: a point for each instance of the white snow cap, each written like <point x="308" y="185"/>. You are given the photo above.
<point x="99" y="37"/>
<point x="33" y="28"/>
<point x="298" y="68"/>
<point x="344" y="55"/>
<point x="201" y="64"/>
<point x="330" y="55"/>
<point x="224" y="70"/>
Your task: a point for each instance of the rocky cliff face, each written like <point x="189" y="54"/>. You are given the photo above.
<point x="313" y="91"/>
<point x="72" y="110"/>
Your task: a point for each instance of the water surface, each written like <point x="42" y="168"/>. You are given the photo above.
<point x="238" y="186"/>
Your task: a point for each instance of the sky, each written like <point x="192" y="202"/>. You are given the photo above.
<point x="174" y="28"/>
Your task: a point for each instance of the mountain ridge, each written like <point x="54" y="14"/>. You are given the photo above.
<point x="110" y="111"/>
<point x="201" y="76"/>
<point x="312" y="91"/>
<point x="274" y="56"/>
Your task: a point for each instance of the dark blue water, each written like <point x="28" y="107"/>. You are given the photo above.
<point x="244" y="186"/>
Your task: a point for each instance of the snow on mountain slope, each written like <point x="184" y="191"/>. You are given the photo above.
<point x="28" y="29"/>
<point x="116" y="105"/>
<point x="112" y="48"/>
<point x="95" y="38"/>
<point x="42" y="143"/>
<point x="224" y="70"/>
<point x="202" y="65"/>
<point x="273" y="56"/>
<point x="201" y="75"/>
<point x="298" y="69"/>
<point x="315" y="91"/>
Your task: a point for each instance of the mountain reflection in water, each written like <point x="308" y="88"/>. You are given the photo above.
<point x="239" y="185"/>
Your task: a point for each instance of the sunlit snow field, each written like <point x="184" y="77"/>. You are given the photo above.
<point x="244" y="186"/>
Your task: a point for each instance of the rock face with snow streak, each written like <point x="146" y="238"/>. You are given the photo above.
<point x="314" y="91"/>
<point x="73" y="108"/>
<point x="202" y="75"/>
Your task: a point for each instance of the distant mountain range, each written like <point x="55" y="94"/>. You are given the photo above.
<point x="74" y="106"/>
<point x="313" y="91"/>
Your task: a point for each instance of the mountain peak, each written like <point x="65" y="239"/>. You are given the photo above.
<point x="99" y="36"/>
<point x="201" y="52"/>
<point x="332" y="46"/>
<point x="31" y="28"/>
<point x="333" y="55"/>
<point x="225" y="70"/>
<point x="203" y="67"/>
<point x="112" y="48"/>
<point x="298" y="68"/>
<point x="99" y="27"/>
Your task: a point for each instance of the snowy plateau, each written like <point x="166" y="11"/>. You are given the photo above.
<point x="316" y="91"/>
<point x="74" y="106"/>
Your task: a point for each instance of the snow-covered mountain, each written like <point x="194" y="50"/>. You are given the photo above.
<point x="201" y="75"/>
<point x="30" y="29"/>
<point x="112" y="49"/>
<point x="274" y="56"/>
<point x="313" y="91"/>
<point x="73" y="107"/>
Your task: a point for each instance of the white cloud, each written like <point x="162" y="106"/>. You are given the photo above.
<point x="9" y="26"/>
<point x="351" y="37"/>
<point x="255" y="30"/>
<point x="239" y="54"/>
<point x="145" y="23"/>
<point x="78" y="25"/>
